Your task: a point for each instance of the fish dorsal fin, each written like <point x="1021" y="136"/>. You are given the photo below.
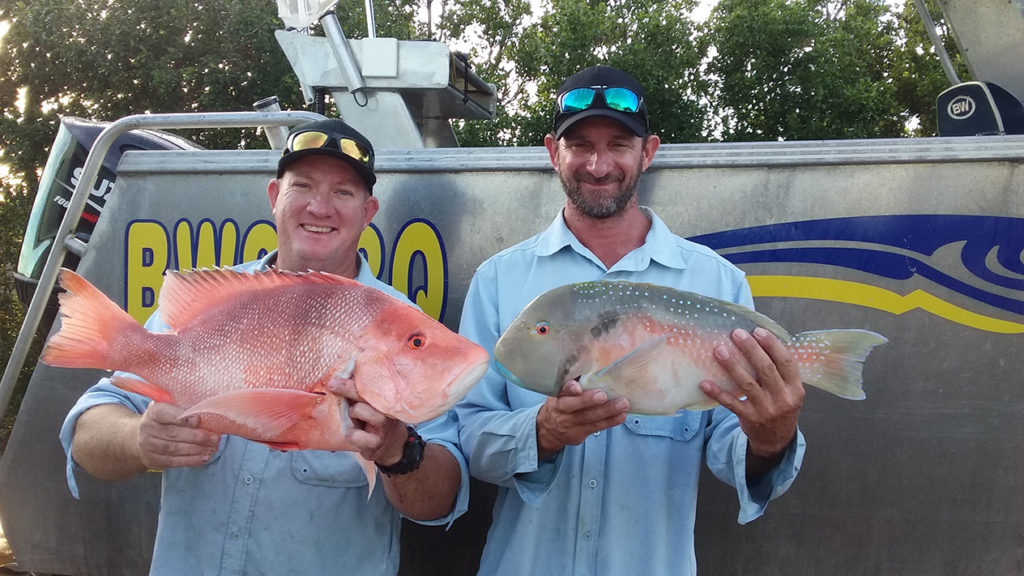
<point x="186" y="295"/>
<point x="634" y="366"/>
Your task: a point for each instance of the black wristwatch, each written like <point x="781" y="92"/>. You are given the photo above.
<point x="412" y="455"/>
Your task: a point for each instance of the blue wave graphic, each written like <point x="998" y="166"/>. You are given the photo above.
<point x="902" y="246"/>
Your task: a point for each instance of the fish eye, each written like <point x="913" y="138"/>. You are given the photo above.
<point x="417" y="341"/>
<point x="542" y="328"/>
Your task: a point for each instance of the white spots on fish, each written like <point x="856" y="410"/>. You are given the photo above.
<point x="812" y="356"/>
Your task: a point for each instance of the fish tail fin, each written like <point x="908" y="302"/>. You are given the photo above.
<point x="91" y="327"/>
<point x="833" y="360"/>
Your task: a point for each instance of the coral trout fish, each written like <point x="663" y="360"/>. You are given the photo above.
<point x="653" y="345"/>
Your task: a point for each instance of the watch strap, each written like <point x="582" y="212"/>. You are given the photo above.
<point x="412" y="455"/>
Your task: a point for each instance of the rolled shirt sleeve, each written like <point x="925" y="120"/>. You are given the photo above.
<point x="726" y="457"/>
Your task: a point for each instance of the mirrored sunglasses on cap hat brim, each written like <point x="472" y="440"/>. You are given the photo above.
<point x="312" y="139"/>
<point x="614" y="98"/>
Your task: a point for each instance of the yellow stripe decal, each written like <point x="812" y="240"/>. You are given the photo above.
<point x="847" y="292"/>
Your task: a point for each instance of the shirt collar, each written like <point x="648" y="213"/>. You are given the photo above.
<point x="556" y="237"/>
<point x="660" y="245"/>
<point x="365" y="275"/>
<point x="362" y="276"/>
<point x="267" y="261"/>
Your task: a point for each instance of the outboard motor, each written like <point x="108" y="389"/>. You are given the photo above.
<point x="979" y="109"/>
<point x="75" y="138"/>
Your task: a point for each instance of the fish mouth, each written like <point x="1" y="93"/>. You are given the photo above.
<point x="466" y="379"/>
<point x="459" y="386"/>
<point x="507" y="373"/>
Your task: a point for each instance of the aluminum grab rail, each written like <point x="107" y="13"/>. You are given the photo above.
<point x="65" y="240"/>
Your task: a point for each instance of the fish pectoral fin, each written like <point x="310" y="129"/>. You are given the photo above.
<point x="151" y="391"/>
<point x="266" y="411"/>
<point x="634" y="366"/>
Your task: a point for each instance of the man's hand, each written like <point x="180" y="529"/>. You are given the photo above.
<point x="575" y="414"/>
<point x="112" y="442"/>
<point x="166" y="441"/>
<point x="377" y="437"/>
<point x="427" y="493"/>
<point x="774" y="394"/>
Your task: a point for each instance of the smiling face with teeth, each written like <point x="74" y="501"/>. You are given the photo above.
<point x="321" y="206"/>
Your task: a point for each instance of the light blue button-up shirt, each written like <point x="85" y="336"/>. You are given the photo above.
<point x="623" y="502"/>
<point x="256" y="510"/>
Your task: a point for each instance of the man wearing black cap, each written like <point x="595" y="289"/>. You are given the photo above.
<point x="229" y="505"/>
<point x="584" y="487"/>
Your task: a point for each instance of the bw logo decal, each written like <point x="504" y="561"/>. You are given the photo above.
<point x="961" y="107"/>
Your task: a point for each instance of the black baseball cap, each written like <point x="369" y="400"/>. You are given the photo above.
<point x="333" y="138"/>
<point x="601" y="76"/>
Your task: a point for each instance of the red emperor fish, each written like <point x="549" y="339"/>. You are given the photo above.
<point x="252" y="353"/>
<point x="653" y="345"/>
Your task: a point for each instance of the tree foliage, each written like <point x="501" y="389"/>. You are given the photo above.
<point x="573" y="34"/>
<point x="916" y="72"/>
<point x="803" y="69"/>
<point x="14" y="211"/>
<point x="757" y="69"/>
<point x="815" y="69"/>
<point x="501" y="23"/>
<point x="109" y="59"/>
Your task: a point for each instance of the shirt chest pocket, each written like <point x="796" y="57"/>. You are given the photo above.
<point x="322" y="468"/>
<point x="684" y="426"/>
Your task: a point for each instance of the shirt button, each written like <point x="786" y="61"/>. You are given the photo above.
<point x="235" y="535"/>
<point x="586" y="535"/>
<point x="592" y="483"/>
<point x="598" y="433"/>
<point x="248" y="479"/>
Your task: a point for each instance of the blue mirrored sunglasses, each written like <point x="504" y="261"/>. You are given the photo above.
<point x="615" y="98"/>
